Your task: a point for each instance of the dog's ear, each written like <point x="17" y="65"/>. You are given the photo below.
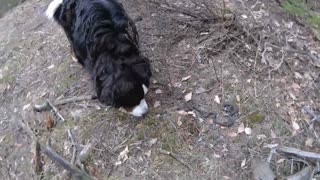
<point x="143" y="70"/>
<point x="104" y="90"/>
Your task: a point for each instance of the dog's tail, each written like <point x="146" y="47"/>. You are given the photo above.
<point x="53" y="7"/>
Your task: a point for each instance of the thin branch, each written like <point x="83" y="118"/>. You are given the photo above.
<point x="174" y="156"/>
<point x="295" y="152"/>
<point x="55" y="110"/>
<point x="64" y="163"/>
<point x="74" y="151"/>
<point x="45" y="106"/>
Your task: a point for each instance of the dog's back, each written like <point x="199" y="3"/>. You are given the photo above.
<point x="91" y="25"/>
<point x="105" y="41"/>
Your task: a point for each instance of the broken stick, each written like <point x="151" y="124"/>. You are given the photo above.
<point x="46" y="106"/>
<point x="295" y="152"/>
<point x="78" y="173"/>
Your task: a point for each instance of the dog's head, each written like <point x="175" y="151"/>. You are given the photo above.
<point x="126" y="87"/>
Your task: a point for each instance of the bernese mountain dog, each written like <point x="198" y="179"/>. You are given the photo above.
<point x="104" y="40"/>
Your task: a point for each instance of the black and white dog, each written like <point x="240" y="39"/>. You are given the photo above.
<point x="105" y="41"/>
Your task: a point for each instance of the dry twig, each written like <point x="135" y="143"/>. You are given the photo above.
<point x="78" y="173"/>
<point x="45" y="106"/>
<point x="74" y="151"/>
<point x="294" y="152"/>
<point x="55" y="110"/>
<point x="174" y="156"/>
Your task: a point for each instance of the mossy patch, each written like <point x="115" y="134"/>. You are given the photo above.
<point x="301" y="9"/>
<point x="256" y="117"/>
<point x="8" y="79"/>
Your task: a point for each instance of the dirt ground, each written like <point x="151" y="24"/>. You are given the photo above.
<point x="249" y="53"/>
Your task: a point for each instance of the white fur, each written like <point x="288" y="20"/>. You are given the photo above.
<point x="141" y="109"/>
<point x="145" y="89"/>
<point x="53" y="6"/>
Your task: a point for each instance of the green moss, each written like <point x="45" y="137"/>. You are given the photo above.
<point x="170" y="141"/>
<point x="8" y="79"/>
<point x="301" y="9"/>
<point x="255" y="117"/>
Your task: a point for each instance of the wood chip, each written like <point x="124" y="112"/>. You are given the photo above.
<point x="186" y="78"/>
<point x="188" y="97"/>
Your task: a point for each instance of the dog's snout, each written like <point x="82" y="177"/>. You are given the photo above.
<point x="140" y="109"/>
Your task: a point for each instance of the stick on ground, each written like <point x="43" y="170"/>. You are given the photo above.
<point x="295" y="152"/>
<point x="78" y="173"/>
<point x="46" y="106"/>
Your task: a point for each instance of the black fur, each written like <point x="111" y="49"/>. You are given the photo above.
<point x="105" y="41"/>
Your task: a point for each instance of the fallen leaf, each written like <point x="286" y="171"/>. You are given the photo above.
<point x="49" y="122"/>
<point x="216" y="155"/>
<point x="309" y="142"/>
<point x="261" y="136"/>
<point x="158" y="91"/>
<point x="244" y="16"/>
<point x="225" y="149"/>
<point x="273" y="135"/>
<point x="295" y="86"/>
<point x="200" y="90"/>
<point x="217" y="99"/>
<point x="280" y="161"/>
<point x="188" y="97"/>
<point x="292" y="96"/>
<point x="238" y="98"/>
<point x="2" y="138"/>
<point x="50" y="67"/>
<point x="26" y="106"/>
<point x="241" y="128"/>
<point x="298" y="75"/>
<point x="153" y="141"/>
<point x="192" y="113"/>
<point x="182" y="112"/>
<point x="248" y="131"/>
<point x="123" y="156"/>
<point x="179" y="122"/>
<point x="157" y="104"/>
<point x="243" y="163"/>
<point x="148" y="153"/>
<point x="186" y="78"/>
<point x="295" y="126"/>
<point x="232" y="134"/>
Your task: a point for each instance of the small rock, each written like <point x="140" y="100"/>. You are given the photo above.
<point x="158" y="91"/>
<point x="248" y="131"/>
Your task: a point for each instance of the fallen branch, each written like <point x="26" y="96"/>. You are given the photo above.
<point x="76" y="172"/>
<point x="174" y="156"/>
<point x="295" y="152"/>
<point x="315" y="116"/>
<point x="45" y="106"/>
<point x="74" y="151"/>
<point x="55" y="110"/>
<point x="305" y="174"/>
<point x="38" y="168"/>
